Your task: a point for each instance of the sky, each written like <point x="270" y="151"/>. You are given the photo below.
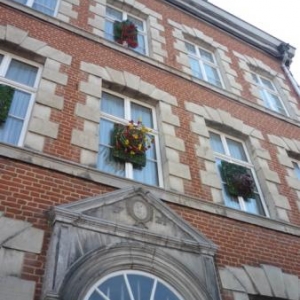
<point x="280" y="19"/>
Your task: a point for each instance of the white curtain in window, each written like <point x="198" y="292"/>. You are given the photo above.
<point x="10" y="131"/>
<point x="112" y="105"/>
<point x="236" y="150"/>
<point x="45" y="6"/>
<point x="21" y="73"/>
<point x="216" y="143"/>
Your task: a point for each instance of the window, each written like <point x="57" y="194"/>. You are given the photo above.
<point x="132" y="285"/>
<point x="269" y="94"/>
<point x="113" y="15"/>
<point x="117" y="109"/>
<point x="47" y="7"/>
<point x="297" y="168"/>
<point x="203" y="65"/>
<point x="230" y="150"/>
<point x="23" y="78"/>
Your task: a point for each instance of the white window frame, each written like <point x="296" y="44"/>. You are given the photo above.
<point x="266" y="99"/>
<point x="127" y="118"/>
<point x="124" y="273"/>
<point x="227" y="157"/>
<point x="7" y="58"/>
<point x="201" y="62"/>
<point x="296" y="165"/>
<point x="30" y="3"/>
<point x="125" y="15"/>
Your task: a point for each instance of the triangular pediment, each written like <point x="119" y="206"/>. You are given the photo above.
<point x="136" y="214"/>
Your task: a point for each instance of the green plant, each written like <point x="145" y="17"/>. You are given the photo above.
<point x="126" y="32"/>
<point x="238" y="180"/>
<point x="6" y="96"/>
<point x="130" y="143"/>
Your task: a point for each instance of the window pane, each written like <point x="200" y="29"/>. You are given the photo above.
<point x="267" y="84"/>
<point x="141" y="113"/>
<point x="236" y="149"/>
<point x="21" y="1"/>
<point x="163" y="293"/>
<point x="194" y="63"/>
<point x="112" y="105"/>
<point x="113" y="13"/>
<point x="253" y="205"/>
<point x="106" y="162"/>
<point x="276" y="103"/>
<point x="190" y="48"/>
<point x="96" y="296"/>
<point x="21" y="72"/>
<point x="45" y="6"/>
<point x="109" y="30"/>
<point x="115" y="288"/>
<point x="10" y="131"/>
<point x="141" y="44"/>
<point x="297" y="170"/>
<point x="1" y="57"/>
<point x="148" y="174"/>
<point x="206" y="56"/>
<point x="141" y="286"/>
<point x="216" y="143"/>
<point x="212" y="75"/>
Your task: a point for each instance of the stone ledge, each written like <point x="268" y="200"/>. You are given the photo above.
<point x="87" y="173"/>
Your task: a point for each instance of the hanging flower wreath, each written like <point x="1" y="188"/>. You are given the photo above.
<point x="125" y="33"/>
<point x="6" y="96"/>
<point x="239" y="182"/>
<point x="130" y="143"/>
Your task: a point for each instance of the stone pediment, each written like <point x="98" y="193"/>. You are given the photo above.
<point x="136" y="214"/>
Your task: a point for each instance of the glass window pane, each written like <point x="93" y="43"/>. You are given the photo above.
<point x="141" y="48"/>
<point x="112" y="105"/>
<point x="216" y="143"/>
<point x="115" y="288"/>
<point x="190" y="48"/>
<point x="253" y="205"/>
<point x="21" y="72"/>
<point x="109" y="30"/>
<point x="297" y="169"/>
<point x="141" y="113"/>
<point x="267" y="84"/>
<point x="113" y="13"/>
<point x="141" y="286"/>
<point x="276" y="103"/>
<point x="45" y="6"/>
<point x="1" y="57"/>
<point x="206" y="56"/>
<point x="163" y="293"/>
<point x="255" y="78"/>
<point x="212" y="75"/>
<point x="96" y="296"/>
<point x="10" y="131"/>
<point x="194" y="63"/>
<point x="20" y="1"/>
<point x="236" y="149"/>
<point x="148" y="174"/>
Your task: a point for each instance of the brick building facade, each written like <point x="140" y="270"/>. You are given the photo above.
<point x="213" y="210"/>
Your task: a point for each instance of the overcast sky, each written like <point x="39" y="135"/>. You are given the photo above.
<point x="276" y="17"/>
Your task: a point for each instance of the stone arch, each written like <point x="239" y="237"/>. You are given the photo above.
<point x="265" y="280"/>
<point x="90" y="268"/>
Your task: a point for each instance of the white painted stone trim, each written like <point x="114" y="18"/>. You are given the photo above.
<point x="251" y="64"/>
<point x="277" y="204"/>
<point x="182" y="33"/>
<point x="284" y="146"/>
<point x="174" y="172"/>
<point x="66" y="10"/>
<point x="40" y="127"/>
<point x="155" y="31"/>
<point x="266" y="280"/>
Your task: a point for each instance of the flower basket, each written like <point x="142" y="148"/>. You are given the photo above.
<point x="130" y="143"/>
<point x="6" y="96"/>
<point x="239" y="182"/>
<point x="125" y="33"/>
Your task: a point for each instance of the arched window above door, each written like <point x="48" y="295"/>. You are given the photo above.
<point x="132" y="285"/>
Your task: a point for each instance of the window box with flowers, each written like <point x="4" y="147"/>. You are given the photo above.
<point x="126" y="33"/>
<point x="130" y="143"/>
<point x="238" y="180"/>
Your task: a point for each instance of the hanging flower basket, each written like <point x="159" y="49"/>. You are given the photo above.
<point x="239" y="182"/>
<point x="6" y="96"/>
<point x="130" y="143"/>
<point x="125" y="33"/>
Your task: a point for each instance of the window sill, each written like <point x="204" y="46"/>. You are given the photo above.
<point x="74" y="169"/>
